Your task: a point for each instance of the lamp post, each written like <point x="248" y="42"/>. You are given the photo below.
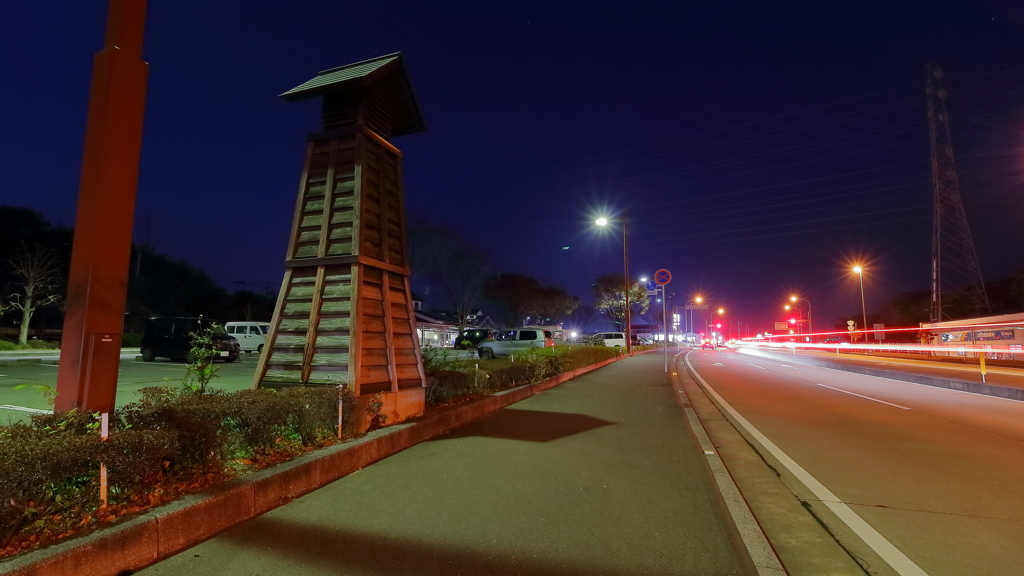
<point x="810" y="323"/>
<point x="696" y="300"/>
<point x="859" y="271"/>
<point x="602" y="221"/>
<point x="720" y="311"/>
<point x="799" y="315"/>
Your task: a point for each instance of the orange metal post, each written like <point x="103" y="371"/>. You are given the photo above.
<point x="91" y="342"/>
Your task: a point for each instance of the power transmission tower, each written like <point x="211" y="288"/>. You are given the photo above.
<point x="957" y="286"/>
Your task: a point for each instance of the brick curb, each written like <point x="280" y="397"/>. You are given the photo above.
<point x="136" y="543"/>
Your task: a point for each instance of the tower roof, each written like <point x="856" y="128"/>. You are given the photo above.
<point x="407" y="118"/>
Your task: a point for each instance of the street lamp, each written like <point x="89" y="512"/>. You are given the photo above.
<point x="810" y="323"/>
<point x="859" y="271"/>
<point x="720" y="311"/>
<point x="799" y="314"/>
<point x="696" y="300"/>
<point x="602" y="221"/>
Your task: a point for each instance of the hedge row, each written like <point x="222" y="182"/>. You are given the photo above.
<point x="452" y="381"/>
<point x="50" y="472"/>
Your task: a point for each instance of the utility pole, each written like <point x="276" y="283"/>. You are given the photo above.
<point x="957" y="284"/>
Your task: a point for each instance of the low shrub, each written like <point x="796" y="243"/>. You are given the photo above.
<point x="8" y="346"/>
<point x="170" y="442"/>
<point x="455" y="380"/>
<point x="43" y="344"/>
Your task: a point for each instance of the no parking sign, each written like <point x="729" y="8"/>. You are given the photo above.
<point x="662" y="277"/>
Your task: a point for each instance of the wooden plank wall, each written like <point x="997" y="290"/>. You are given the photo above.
<point x="324" y="331"/>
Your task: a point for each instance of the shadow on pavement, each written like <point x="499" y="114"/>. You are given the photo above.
<point x="528" y="425"/>
<point x="344" y="551"/>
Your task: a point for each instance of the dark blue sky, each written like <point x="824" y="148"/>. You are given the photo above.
<point x="759" y="148"/>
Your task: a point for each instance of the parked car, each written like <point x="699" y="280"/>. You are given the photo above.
<point x="507" y="342"/>
<point x="474" y="336"/>
<point x="251" y="336"/>
<point x="609" y="339"/>
<point x="171" y="338"/>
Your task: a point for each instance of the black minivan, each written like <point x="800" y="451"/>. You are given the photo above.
<point x="170" y="338"/>
<point x="474" y="336"/>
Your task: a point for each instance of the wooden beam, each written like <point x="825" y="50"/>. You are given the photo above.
<point x="336" y="260"/>
<point x="275" y="323"/>
<point x="380" y="140"/>
<point x="355" y="343"/>
<point x="325" y="225"/>
<point x="314" y="321"/>
<point x="415" y="336"/>
<point x="297" y="218"/>
<point x="389" y="329"/>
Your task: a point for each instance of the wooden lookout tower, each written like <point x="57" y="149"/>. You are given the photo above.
<point x="344" y="314"/>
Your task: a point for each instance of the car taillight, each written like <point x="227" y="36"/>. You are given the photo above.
<point x="548" y="342"/>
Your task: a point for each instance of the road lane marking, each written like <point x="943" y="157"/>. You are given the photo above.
<point x="788" y="366"/>
<point x="719" y="364"/>
<point x="755" y="366"/>
<point x="861" y="396"/>
<point x="892" y="555"/>
<point x="24" y="409"/>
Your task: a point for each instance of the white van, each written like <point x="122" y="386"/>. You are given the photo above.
<point x="250" y="335"/>
<point x="610" y="339"/>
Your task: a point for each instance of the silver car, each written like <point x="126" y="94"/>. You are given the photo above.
<point x="510" y="341"/>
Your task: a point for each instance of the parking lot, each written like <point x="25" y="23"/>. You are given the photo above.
<point x="16" y="405"/>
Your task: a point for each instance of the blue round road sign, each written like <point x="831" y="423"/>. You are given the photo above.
<point x="662" y="277"/>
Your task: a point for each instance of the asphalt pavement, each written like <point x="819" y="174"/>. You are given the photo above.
<point x="912" y="479"/>
<point x="597" y="476"/>
<point x="967" y="370"/>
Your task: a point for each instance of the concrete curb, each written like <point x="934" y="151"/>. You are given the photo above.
<point x="162" y="532"/>
<point x="1007" y="392"/>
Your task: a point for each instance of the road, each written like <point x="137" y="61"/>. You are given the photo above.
<point x="936" y="473"/>
<point x="18" y="405"/>
<point x="965" y="370"/>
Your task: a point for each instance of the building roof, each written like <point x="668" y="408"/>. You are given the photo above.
<point x="362" y="74"/>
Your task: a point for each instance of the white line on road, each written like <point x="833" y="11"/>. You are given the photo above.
<point x="862" y="396"/>
<point x="892" y="555"/>
<point x="24" y="409"/>
<point x="756" y="366"/>
<point x="788" y="366"/>
<point x="719" y="364"/>
<point x="765" y="560"/>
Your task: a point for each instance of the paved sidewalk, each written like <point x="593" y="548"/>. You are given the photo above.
<point x="597" y="476"/>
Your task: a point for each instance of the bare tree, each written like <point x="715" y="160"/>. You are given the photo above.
<point x="582" y="318"/>
<point x="38" y="272"/>
<point x="460" y="270"/>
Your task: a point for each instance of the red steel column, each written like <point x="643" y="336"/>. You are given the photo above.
<point x="91" y="342"/>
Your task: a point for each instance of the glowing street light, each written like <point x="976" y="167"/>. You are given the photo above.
<point x="602" y="221"/>
<point x="810" y="318"/>
<point x="696" y="300"/>
<point x="859" y="271"/>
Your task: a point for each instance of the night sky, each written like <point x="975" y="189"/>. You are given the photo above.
<point x="760" y="147"/>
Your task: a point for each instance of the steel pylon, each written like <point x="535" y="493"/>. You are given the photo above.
<point x="958" y="289"/>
